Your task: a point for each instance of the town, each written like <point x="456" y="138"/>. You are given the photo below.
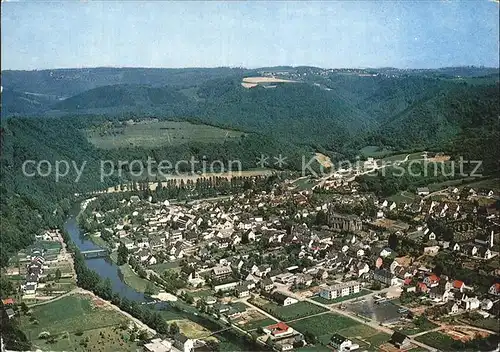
<point x="330" y="267"/>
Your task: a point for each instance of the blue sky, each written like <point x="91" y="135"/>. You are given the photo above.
<point x="330" y="34"/>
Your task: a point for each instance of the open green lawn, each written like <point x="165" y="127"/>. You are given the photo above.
<point x="437" y="340"/>
<point x="133" y="280"/>
<point x="485" y="323"/>
<point x="294" y="311"/>
<point x="159" y="133"/>
<point x="160" y="268"/>
<point x="323" y="326"/>
<point x="361" y="293"/>
<point x="103" y="339"/>
<point x="69" y="314"/>
<point x="372" y="151"/>
<point x="402" y="197"/>
<point x="450" y="183"/>
<point x="412" y="329"/>
<point x="202" y="293"/>
<point x="492" y="183"/>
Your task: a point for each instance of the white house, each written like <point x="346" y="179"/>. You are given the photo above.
<point x="283" y="299"/>
<point x="183" y="343"/>
<point x="341" y="343"/>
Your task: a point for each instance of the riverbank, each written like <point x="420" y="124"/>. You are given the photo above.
<point x="230" y="340"/>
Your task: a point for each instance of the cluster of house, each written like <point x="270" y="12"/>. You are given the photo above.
<point x="281" y="337"/>
<point x="8" y="307"/>
<point x="454" y="295"/>
<point x="179" y="343"/>
<point x="34" y="272"/>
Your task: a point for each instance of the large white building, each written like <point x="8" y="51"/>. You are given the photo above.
<point x="340" y="290"/>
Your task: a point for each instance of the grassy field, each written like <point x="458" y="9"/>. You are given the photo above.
<point x="191" y="329"/>
<point x="485" y="323"/>
<point x="68" y="317"/>
<point x="323" y="326"/>
<point x="341" y="299"/>
<point x="291" y="312"/>
<point x="412" y="329"/>
<point x="493" y="184"/>
<point x="402" y="197"/>
<point x="437" y="340"/>
<point x="133" y="280"/>
<point x="443" y="185"/>
<point x="155" y="134"/>
<point x="372" y="151"/>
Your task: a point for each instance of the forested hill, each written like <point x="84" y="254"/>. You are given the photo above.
<point x="334" y="112"/>
<point x="123" y="97"/>
<point x="69" y="82"/>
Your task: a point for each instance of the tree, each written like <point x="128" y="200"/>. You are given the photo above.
<point x="310" y="337"/>
<point x="58" y="274"/>
<point x="321" y="218"/>
<point x="393" y="241"/>
<point x="143" y="335"/>
<point x="150" y="289"/>
<point x="174" y="329"/>
<point x="24" y="308"/>
<point x="122" y="254"/>
<point x="213" y="345"/>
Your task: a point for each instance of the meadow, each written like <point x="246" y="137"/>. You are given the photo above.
<point x="295" y="311"/>
<point x="437" y="340"/>
<point x="77" y="324"/>
<point x="135" y="281"/>
<point x="323" y="326"/>
<point x="156" y="134"/>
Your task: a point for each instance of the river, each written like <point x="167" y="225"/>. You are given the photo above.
<point x="107" y="269"/>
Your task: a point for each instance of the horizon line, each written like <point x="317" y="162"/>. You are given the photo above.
<point x="252" y="68"/>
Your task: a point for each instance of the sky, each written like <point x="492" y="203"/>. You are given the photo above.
<point x="329" y="34"/>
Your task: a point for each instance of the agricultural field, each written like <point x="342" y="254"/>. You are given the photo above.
<point x="323" y="326"/>
<point x="250" y="82"/>
<point x="490" y="184"/>
<point x="295" y="311"/>
<point x="156" y="134"/>
<point x="484" y="323"/>
<point x="415" y="328"/>
<point x="437" y="340"/>
<point x="76" y="323"/>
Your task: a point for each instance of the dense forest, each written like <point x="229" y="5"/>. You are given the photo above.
<point x="331" y="112"/>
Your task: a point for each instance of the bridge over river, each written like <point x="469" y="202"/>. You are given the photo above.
<point x="95" y="253"/>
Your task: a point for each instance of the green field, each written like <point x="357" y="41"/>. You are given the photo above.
<point x="412" y="329"/>
<point x="67" y="317"/>
<point x="295" y="311"/>
<point x="156" y="134"/>
<point x="341" y="299"/>
<point x="372" y="151"/>
<point x="492" y="184"/>
<point x="402" y="197"/>
<point x="323" y="326"/>
<point x="437" y="340"/>
<point x="133" y="280"/>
